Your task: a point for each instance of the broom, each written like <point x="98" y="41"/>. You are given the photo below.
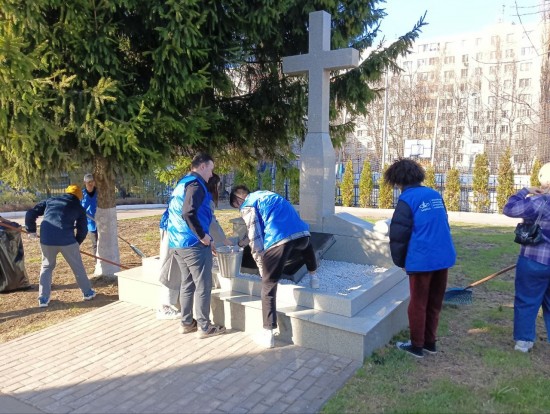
<point x="20" y="230"/>
<point x="134" y="248"/>
<point x="463" y="296"/>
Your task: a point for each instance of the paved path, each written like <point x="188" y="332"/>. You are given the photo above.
<point x="120" y="359"/>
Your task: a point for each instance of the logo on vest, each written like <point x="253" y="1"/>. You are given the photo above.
<point x="424" y="206"/>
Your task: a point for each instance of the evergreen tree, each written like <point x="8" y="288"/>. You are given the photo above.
<point x="481" y="183"/>
<point x="505" y="185"/>
<point x="123" y="87"/>
<point x="537" y="164"/>
<point x="385" y="192"/>
<point x="452" y="190"/>
<point x="347" y="186"/>
<point x="366" y="185"/>
<point x="429" y="180"/>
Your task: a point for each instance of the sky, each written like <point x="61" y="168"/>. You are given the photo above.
<point x="451" y="17"/>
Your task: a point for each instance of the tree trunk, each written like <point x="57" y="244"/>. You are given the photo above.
<point x="106" y="219"/>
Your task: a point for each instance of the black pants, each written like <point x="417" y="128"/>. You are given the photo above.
<point x="273" y="262"/>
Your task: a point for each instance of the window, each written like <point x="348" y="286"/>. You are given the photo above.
<point x="509" y="53"/>
<point x="446" y="130"/>
<point x="521" y="128"/>
<point x="525" y="66"/>
<point x="505" y="113"/>
<point x="464" y="73"/>
<point x="490" y="129"/>
<point x="476" y="116"/>
<point x="495" y="54"/>
<point x="407" y="65"/>
<point x="423" y="48"/>
<point x="431" y="75"/>
<point x="504" y="128"/>
<point x="493" y="69"/>
<point x="524" y="83"/>
<point x="460" y="116"/>
<point x="449" y="60"/>
<point x="464" y="58"/>
<point x="525" y="98"/>
<point x="507" y="84"/>
<point x="510" y="37"/>
<point x="449" y="45"/>
<point x="475" y="129"/>
<point x="527" y="51"/>
<point x="420" y="62"/>
<point x="490" y="114"/>
<point x="509" y="68"/>
<point x="460" y="131"/>
<point x="478" y="41"/>
<point x="479" y="56"/>
<point x="430" y="116"/>
<point x="449" y="74"/>
<point x="433" y="61"/>
<point x="491" y="100"/>
<point x="495" y="40"/>
<point x="478" y="71"/>
<point x="524" y="112"/>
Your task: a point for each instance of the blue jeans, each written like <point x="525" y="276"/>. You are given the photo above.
<point x="532" y="291"/>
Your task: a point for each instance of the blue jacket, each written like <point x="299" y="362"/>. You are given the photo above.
<point x="180" y="234"/>
<point x="278" y="219"/>
<point x="62" y="214"/>
<point x="90" y="205"/>
<point x="420" y="236"/>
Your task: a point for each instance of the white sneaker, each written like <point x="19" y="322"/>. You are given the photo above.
<point x="265" y="339"/>
<point x="523" y="346"/>
<point x="167" y="312"/>
<point x="314" y="281"/>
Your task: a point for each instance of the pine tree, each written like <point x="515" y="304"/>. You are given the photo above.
<point x="347" y="186"/>
<point x="452" y="190"/>
<point x="385" y="192"/>
<point x="429" y="181"/>
<point x="537" y="165"/>
<point x="366" y="185"/>
<point x="505" y="185"/>
<point x="481" y="183"/>
<point x="156" y="80"/>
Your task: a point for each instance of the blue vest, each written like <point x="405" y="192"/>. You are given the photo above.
<point x="90" y="205"/>
<point x="431" y="246"/>
<point x="179" y="233"/>
<point x="278" y="219"/>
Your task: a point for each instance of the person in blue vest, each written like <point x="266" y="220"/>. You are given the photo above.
<point x="274" y="231"/>
<point x="89" y="202"/>
<point x="62" y="214"/>
<point x="189" y="218"/>
<point x="421" y="244"/>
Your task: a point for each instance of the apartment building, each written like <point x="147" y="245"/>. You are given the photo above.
<point x="462" y="95"/>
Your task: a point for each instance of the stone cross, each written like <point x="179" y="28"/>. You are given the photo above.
<point x="317" y="175"/>
<point x="317" y="64"/>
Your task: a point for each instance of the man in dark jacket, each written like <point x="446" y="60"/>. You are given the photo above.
<point x="62" y="214"/>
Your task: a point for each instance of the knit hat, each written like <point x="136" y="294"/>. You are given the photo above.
<point x="74" y="190"/>
<point x="544" y="174"/>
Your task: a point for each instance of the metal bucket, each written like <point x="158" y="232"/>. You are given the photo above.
<point x="229" y="260"/>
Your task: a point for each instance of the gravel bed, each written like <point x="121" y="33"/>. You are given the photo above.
<point x="339" y="278"/>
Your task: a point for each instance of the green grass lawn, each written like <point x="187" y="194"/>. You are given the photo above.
<point x="476" y="368"/>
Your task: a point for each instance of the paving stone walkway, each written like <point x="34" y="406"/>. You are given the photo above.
<point x="120" y="359"/>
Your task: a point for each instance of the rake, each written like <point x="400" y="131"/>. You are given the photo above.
<point x="134" y="248"/>
<point x="463" y="296"/>
<point x="20" y="230"/>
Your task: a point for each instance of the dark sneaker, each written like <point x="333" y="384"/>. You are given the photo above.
<point x="430" y="348"/>
<point x="415" y="351"/>
<point x="212" y="330"/>
<point x="185" y="329"/>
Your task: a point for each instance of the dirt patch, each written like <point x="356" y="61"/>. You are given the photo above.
<point x="19" y="311"/>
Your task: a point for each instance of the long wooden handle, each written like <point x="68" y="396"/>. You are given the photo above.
<point x="104" y="260"/>
<point x="485" y="279"/>
<point x="87" y="254"/>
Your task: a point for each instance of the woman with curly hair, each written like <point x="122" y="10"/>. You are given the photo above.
<point x="421" y="244"/>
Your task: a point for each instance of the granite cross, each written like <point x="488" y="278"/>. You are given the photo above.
<point x="317" y="64"/>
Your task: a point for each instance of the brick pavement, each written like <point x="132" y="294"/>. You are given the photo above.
<point x="120" y="359"/>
